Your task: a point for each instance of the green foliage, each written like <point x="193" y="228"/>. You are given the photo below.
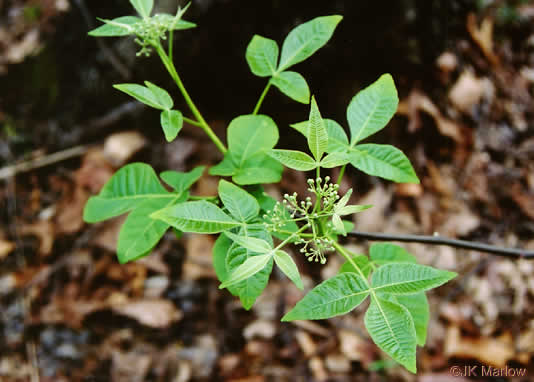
<point x="246" y="218"/>
<point x="249" y="138"/>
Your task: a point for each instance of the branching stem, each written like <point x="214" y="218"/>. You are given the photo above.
<point x="169" y="65"/>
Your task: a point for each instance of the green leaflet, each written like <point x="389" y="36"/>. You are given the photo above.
<point x="139" y="233"/>
<point x="249" y="268"/>
<point x="262" y="56"/>
<point x="143" y="7"/>
<point x="198" y="216"/>
<point x="384" y="161"/>
<point x="127" y="188"/>
<point x="347" y="227"/>
<point x="293" y="85"/>
<point x="372" y="108"/>
<point x="317" y="135"/>
<point x="259" y="168"/>
<point x="288" y="267"/>
<point x="335" y="159"/>
<point x="337" y="138"/>
<point x="333" y="297"/>
<point x="182" y="181"/>
<point x="171" y="123"/>
<point x="164" y="99"/>
<point x="220" y="250"/>
<point x="296" y="160"/>
<point x="143" y="94"/>
<point x="249" y="137"/>
<point x="239" y="203"/>
<point x="121" y="26"/>
<point x="353" y="209"/>
<point x="391" y="327"/>
<point x="251" y="243"/>
<point x="417" y="305"/>
<point x="384" y="253"/>
<point x="369" y="111"/>
<point x="407" y="278"/>
<point x="249" y="289"/>
<point x="251" y="134"/>
<point x="338" y="224"/>
<point x="306" y="39"/>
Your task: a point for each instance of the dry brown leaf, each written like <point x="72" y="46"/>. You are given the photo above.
<point x="94" y="172"/>
<point x="447" y="62"/>
<point x="132" y="366"/>
<point x="524" y="200"/>
<point x="417" y="101"/>
<point x="354" y="347"/>
<point x="120" y="147"/>
<point x="483" y="36"/>
<point x="337" y="363"/>
<point x="6" y="247"/>
<point x="306" y="343"/>
<point x="69" y="218"/>
<point x="199" y="263"/>
<point x="260" y="329"/>
<point x="373" y="219"/>
<point x="108" y="233"/>
<point x="495" y="351"/>
<point x="413" y="190"/>
<point x="468" y="91"/>
<point x="460" y="222"/>
<point x="45" y="232"/>
<point x="156" y="313"/>
<point x="68" y="311"/>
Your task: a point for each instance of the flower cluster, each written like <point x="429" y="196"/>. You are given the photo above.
<point x="315" y="214"/>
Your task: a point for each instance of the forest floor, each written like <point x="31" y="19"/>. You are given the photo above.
<point x="71" y="312"/>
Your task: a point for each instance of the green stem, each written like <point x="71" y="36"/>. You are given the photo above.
<point x="318" y="172"/>
<point x="198" y="197"/>
<point x="170" y="42"/>
<point x="297" y="233"/>
<point x="192" y="122"/>
<point x="347" y="256"/>
<point x="169" y="65"/>
<point x="262" y="96"/>
<point x="309" y="235"/>
<point x="341" y="173"/>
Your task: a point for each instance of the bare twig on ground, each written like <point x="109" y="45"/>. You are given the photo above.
<point x="437" y="240"/>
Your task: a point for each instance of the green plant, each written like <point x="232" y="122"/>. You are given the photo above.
<point x="246" y="218"/>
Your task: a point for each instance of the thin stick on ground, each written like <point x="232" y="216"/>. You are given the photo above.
<point x="438" y="240"/>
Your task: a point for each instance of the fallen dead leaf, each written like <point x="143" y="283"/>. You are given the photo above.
<point x="119" y="147"/>
<point x="132" y="366"/>
<point x="413" y="190"/>
<point x="494" y="351"/>
<point x="199" y="263"/>
<point x="108" y="234"/>
<point x="418" y="101"/>
<point x="45" y="232"/>
<point x="524" y="200"/>
<point x="69" y="218"/>
<point x="260" y="329"/>
<point x="156" y="313"/>
<point x="6" y="247"/>
<point x="483" y="36"/>
<point x="372" y="220"/>
<point x="468" y="91"/>
<point x="94" y="172"/>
